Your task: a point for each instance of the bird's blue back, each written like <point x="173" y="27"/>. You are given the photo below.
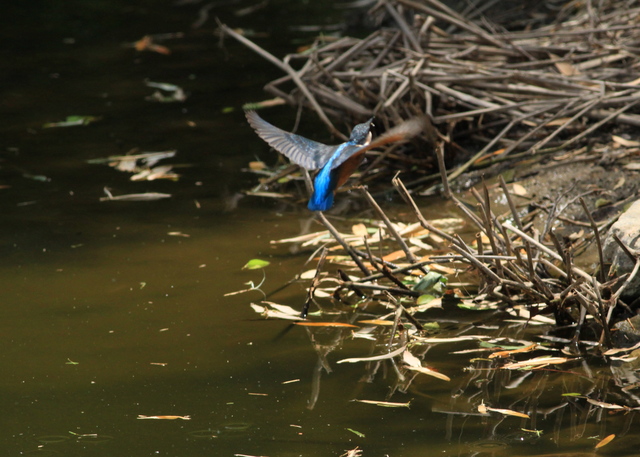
<point x="325" y="183"/>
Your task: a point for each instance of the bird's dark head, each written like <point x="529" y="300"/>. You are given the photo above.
<point x="361" y="133"/>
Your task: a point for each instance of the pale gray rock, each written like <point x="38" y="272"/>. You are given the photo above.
<point x="627" y="228"/>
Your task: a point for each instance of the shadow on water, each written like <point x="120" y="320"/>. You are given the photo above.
<point x="115" y="309"/>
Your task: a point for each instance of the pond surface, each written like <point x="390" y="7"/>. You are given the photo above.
<point x="116" y="309"/>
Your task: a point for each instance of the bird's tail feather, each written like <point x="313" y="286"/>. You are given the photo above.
<point x="321" y="200"/>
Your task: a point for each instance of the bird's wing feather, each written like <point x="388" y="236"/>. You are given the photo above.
<point x="306" y="153"/>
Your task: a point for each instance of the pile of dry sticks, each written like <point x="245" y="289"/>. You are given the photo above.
<point x="506" y="94"/>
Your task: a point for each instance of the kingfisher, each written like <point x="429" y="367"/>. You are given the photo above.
<point x="336" y="163"/>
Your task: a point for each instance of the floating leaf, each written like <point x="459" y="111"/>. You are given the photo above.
<point x="173" y="93"/>
<point x="263" y="104"/>
<point x="507" y="353"/>
<point x="257" y="165"/>
<point x="390" y="355"/>
<point x="415" y="364"/>
<point x="326" y="324"/>
<point x="355" y="432"/>
<point x="309" y="274"/>
<point x="507" y="412"/>
<point x="386" y="404"/>
<point x="604" y="405"/>
<point x="431" y="282"/>
<point x="159" y="172"/>
<point x="40" y="178"/>
<point x="72" y="121"/>
<point x="454" y="339"/>
<point x="424" y="299"/>
<point x="376" y="322"/>
<point x="605" y="441"/>
<point x="394" y="256"/>
<point x="430" y="372"/>
<point x="482" y="408"/>
<point x="283" y="308"/>
<point x="146" y="44"/>
<point x="269" y="313"/>
<point x="538" y="362"/>
<point x="255" y="264"/>
<point x="147" y="196"/>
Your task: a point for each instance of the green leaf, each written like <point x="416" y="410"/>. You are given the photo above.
<point x="255" y="264"/>
<point x="355" y="432"/>
<point x="430" y="325"/>
<point x="71" y="121"/>
<point x="431" y="282"/>
<point x="424" y="299"/>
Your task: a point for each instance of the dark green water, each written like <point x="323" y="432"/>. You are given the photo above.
<point x="112" y="310"/>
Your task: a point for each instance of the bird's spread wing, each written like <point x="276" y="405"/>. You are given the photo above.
<point x="306" y="153"/>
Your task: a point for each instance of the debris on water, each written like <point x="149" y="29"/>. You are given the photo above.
<point x="141" y="164"/>
<point x="147" y="196"/>
<point x="166" y="93"/>
<point x="73" y="121"/>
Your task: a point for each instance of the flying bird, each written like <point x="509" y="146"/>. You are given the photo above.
<point x="336" y="163"/>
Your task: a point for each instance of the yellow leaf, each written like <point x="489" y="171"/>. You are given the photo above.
<point x="508" y="412"/>
<point x="393" y="256"/>
<point x="387" y="404"/>
<point x="359" y="230"/>
<point x="430" y="372"/>
<point x="565" y="68"/>
<point x="376" y="322"/>
<point x="257" y="165"/>
<point x="538" y="362"/>
<point x="518" y="190"/>
<point x="605" y="441"/>
<point x="514" y="351"/>
<point x="482" y="408"/>
<point x="624" y="142"/>
<point x="325" y="324"/>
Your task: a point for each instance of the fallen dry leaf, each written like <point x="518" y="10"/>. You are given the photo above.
<point x="624" y="142"/>
<point x="508" y="412"/>
<point x="535" y="363"/>
<point x="501" y="354"/>
<point x="605" y="441"/>
<point x="375" y="358"/>
<point x="359" y="230"/>
<point x="325" y="324"/>
<point x="387" y="404"/>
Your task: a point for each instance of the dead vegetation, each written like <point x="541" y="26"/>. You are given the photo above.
<point x="535" y="94"/>
<point x="495" y="96"/>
